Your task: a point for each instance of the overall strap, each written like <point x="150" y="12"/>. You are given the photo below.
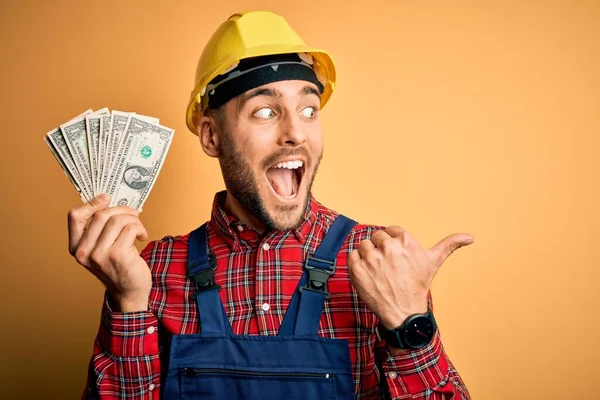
<point x="306" y="305"/>
<point x="201" y="270"/>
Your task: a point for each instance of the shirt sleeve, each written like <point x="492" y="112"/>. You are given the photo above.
<point x="125" y="362"/>
<point x="425" y="373"/>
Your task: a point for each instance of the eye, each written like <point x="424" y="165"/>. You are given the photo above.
<point x="264" y="113"/>
<point x="309" y="112"/>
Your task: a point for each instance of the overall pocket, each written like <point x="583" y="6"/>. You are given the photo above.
<point x="221" y="383"/>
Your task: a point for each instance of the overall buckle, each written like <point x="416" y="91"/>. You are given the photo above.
<point x="317" y="277"/>
<point x="205" y="280"/>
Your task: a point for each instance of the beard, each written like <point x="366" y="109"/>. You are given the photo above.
<point x="242" y="184"/>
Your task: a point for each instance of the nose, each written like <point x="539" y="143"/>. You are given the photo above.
<point x="292" y="132"/>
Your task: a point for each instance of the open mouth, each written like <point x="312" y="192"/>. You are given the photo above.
<point x="285" y="178"/>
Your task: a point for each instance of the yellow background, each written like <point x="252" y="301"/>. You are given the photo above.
<point x="463" y="116"/>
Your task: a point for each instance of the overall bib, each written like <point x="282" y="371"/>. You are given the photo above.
<point x="296" y="364"/>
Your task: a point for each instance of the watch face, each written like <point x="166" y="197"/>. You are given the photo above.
<point x="419" y="332"/>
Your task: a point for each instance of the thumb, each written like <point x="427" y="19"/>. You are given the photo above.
<point x="79" y="216"/>
<point x="448" y="245"/>
<point x="96" y="204"/>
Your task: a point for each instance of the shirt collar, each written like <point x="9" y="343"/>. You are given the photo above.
<point x="237" y="231"/>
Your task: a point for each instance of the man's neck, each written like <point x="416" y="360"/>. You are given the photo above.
<point x="235" y="208"/>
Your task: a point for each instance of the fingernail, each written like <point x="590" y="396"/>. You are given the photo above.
<point x="103" y="197"/>
<point x="470" y="240"/>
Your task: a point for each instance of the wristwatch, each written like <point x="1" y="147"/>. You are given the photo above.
<point x="414" y="333"/>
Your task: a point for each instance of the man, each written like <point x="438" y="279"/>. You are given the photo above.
<point x="136" y="177"/>
<point x="277" y="295"/>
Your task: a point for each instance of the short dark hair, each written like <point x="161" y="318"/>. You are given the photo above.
<point x="218" y="114"/>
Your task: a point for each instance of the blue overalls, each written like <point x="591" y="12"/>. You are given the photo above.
<point x="295" y="364"/>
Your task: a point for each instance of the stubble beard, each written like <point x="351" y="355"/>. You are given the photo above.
<point x="241" y="184"/>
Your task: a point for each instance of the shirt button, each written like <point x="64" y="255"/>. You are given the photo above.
<point x="151" y="387"/>
<point x="151" y="330"/>
<point x="240" y="228"/>
<point x="266" y="246"/>
<point x="266" y="307"/>
<point x="393" y="375"/>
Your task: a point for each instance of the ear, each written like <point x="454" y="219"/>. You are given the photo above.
<point x="208" y="133"/>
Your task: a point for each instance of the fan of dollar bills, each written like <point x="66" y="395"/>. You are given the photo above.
<point x="114" y="152"/>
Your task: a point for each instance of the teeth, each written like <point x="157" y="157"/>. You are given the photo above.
<point x="290" y="164"/>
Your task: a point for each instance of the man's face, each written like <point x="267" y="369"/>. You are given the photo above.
<point x="134" y="175"/>
<point x="271" y="146"/>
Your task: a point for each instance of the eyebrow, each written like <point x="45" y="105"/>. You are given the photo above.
<point x="306" y="90"/>
<point x="259" y="92"/>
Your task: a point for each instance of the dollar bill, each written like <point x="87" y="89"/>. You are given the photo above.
<point x="65" y="169"/>
<point x="137" y="164"/>
<point x="102" y="139"/>
<point x="93" y="131"/>
<point x="75" y="135"/>
<point x="118" y="122"/>
<point x="59" y="147"/>
<point x="92" y="125"/>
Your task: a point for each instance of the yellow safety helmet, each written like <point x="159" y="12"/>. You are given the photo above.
<point x="246" y="35"/>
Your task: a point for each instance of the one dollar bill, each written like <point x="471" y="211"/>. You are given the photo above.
<point x="141" y="156"/>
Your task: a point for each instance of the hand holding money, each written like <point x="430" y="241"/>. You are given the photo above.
<point x="113" y="160"/>
<point x="102" y="239"/>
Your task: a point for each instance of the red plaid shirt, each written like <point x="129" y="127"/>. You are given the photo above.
<point x="258" y="276"/>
